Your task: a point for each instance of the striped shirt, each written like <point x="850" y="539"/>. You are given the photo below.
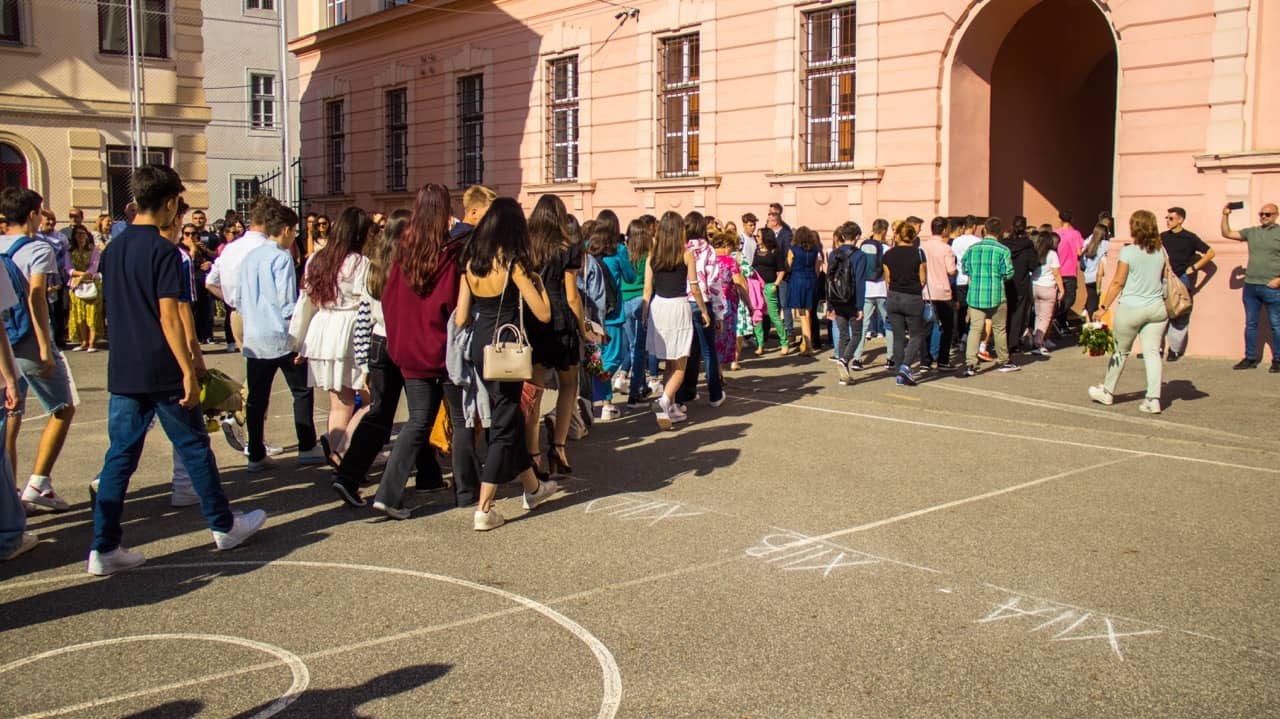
<point x="988" y="264"/>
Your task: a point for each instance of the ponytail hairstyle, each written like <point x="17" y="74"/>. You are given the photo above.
<point x="1099" y="236"/>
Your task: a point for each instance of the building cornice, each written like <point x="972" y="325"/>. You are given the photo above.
<point x="676" y="183"/>
<point x="1235" y="161"/>
<point x="560" y="188"/>
<point x="196" y="115"/>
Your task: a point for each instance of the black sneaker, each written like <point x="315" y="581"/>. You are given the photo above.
<point x="945" y="366"/>
<point x="1246" y="363"/>
<point x="1275" y="366"/>
<point x="856" y="366"/>
<point x="1171" y="357"/>
<point x="969" y="371"/>
<point x="888" y="364"/>
<point x="348" y="495"/>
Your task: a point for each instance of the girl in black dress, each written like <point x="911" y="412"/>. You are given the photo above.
<point x="556" y="255"/>
<point x="489" y="297"/>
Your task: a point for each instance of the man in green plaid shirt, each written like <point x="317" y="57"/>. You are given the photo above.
<point x="988" y="264"/>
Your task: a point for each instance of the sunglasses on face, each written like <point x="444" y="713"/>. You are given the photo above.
<point x="1266" y="214"/>
<point x="322" y="224"/>
<point x="188" y="233"/>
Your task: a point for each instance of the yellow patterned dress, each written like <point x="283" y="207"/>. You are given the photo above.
<point x="85" y="312"/>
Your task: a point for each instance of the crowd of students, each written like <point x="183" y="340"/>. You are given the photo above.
<point x="443" y="311"/>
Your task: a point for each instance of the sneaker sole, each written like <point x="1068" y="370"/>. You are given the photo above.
<point x="229" y="433"/>
<point x="107" y="573"/>
<point x="352" y="500"/>
<point x="42" y="503"/>
<point x="664" y="422"/>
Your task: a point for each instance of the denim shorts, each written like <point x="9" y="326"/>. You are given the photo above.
<point x="56" y="391"/>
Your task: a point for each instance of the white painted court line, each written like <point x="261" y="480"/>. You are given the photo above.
<point x="1149" y="423"/>
<point x="1011" y="435"/>
<point x="967" y="500"/>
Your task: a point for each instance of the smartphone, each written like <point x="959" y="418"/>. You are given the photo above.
<point x="1237" y="205"/>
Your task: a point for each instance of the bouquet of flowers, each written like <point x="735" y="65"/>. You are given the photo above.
<point x="594" y="363"/>
<point x="1097" y="339"/>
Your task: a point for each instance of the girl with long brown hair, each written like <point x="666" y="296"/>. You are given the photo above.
<point x="636" y="362"/>
<point x="670" y="279"/>
<point x="333" y="283"/>
<point x="86" y="317"/>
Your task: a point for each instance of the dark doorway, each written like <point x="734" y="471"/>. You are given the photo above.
<point x="1053" y="114"/>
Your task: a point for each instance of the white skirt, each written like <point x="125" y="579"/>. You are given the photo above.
<point x="670" y="331"/>
<point x="330" y="352"/>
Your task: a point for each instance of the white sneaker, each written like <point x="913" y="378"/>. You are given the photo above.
<point x="609" y="413"/>
<point x="26" y="544"/>
<point x="1099" y="394"/>
<point x="116" y="560"/>
<point x="272" y="450"/>
<point x="263" y="465"/>
<point x="183" y="497"/>
<point x="677" y="415"/>
<point x="1150" y="405"/>
<point x="723" y="396"/>
<point x="1041" y="351"/>
<point x="656" y="386"/>
<point x="393" y="512"/>
<point x="621" y="382"/>
<point x="546" y="488"/>
<point x="48" y="499"/>
<point x="234" y="434"/>
<point x="484" y="521"/>
<point x="662" y="412"/>
<point x="242" y="528"/>
<point x="315" y="455"/>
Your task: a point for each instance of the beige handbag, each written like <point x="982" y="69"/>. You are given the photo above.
<point x="1177" y="298"/>
<point x="509" y="361"/>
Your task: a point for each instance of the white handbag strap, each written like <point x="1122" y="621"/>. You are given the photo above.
<point x="497" y="330"/>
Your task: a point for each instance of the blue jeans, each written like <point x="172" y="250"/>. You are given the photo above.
<point x="703" y="352"/>
<point x="1255" y="297"/>
<point x="878" y="305"/>
<point x="13" y="518"/>
<point x="636" y="360"/>
<point x="128" y="417"/>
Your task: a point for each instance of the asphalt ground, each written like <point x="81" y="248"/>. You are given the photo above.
<point x="985" y="547"/>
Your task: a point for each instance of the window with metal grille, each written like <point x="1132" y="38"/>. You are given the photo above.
<point x="470" y="130"/>
<point x="335" y="147"/>
<point x="262" y="101"/>
<point x="259" y="4"/>
<point x="336" y="11"/>
<point x="242" y="190"/>
<point x="10" y="27"/>
<point x="397" y="139"/>
<point x="562" y="120"/>
<point x="120" y="169"/>
<point x="830" y="70"/>
<point x="678" y="130"/>
<point x="113" y="27"/>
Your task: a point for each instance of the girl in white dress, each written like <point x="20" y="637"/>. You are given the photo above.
<point x="334" y="283"/>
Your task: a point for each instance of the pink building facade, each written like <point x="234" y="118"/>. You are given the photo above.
<point x="837" y="110"/>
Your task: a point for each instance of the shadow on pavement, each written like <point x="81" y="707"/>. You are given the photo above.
<point x="345" y="701"/>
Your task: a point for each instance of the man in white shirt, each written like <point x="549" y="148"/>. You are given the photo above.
<point x="224" y="277"/>
<point x="959" y="245"/>
<point x="747" y="237"/>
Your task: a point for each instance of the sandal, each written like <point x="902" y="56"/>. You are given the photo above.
<point x="329" y="454"/>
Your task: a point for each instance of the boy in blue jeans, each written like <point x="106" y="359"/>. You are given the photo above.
<point x="151" y="373"/>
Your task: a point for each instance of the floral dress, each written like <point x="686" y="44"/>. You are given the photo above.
<point x="745" y="326"/>
<point x="727" y="337"/>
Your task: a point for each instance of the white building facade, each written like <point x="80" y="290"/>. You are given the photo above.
<point x="243" y="84"/>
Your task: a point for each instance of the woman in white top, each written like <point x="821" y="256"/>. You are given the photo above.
<point x="333" y="283"/>
<point x="1093" y="258"/>
<point x="1046" y="286"/>
<point x="1140" y="312"/>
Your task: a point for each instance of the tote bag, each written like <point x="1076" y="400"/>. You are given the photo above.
<point x="1177" y="298"/>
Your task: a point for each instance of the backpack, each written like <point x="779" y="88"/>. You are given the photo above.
<point x="876" y="271"/>
<point x="17" y="319"/>
<point x="840" y="280"/>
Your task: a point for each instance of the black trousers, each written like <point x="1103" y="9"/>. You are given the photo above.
<point x="1020" y="302"/>
<point x="1091" y="298"/>
<point x="962" y="312"/>
<point x="59" y="314"/>
<point x="507" y="456"/>
<point x="226" y="324"/>
<point x="906" y="316"/>
<point x="466" y="465"/>
<point x="945" y="315"/>
<point x="1069" y="288"/>
<point x="259" y="374"/>
<point x="203" y="313"/>
<point x="412" y="448"/>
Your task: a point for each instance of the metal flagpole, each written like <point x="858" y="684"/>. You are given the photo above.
<point x="135" y="89"/>
<point x="286" y="172"/>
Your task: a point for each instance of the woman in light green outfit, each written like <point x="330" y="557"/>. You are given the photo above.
<point x="771" y="263"/>
<point x="1140" y="312"/>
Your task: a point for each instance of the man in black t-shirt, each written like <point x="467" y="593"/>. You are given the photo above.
<point x="1187" y="255"/>
<point x="151" y="373"/>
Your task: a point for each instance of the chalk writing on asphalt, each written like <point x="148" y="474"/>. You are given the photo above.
<point x="1060" y="623"/>
<point x="794" y="552"/>
<point x="634" y="509"/>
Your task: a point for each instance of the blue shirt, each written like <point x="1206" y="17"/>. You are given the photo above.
<point x="265" y="298"/>
<point x="140" y="268"/>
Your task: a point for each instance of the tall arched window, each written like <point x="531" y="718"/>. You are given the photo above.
<point x="13" y="167"/>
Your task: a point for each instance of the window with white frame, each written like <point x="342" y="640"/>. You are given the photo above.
<point x="830" y="71"/>
<point x="335" y="147"/>
<point x="562" y="119"/>
<point x="242" y="192"/>
<point x="262" y="101"/>
<point x="397" y="139"/>
<point x="336" y="11"/>
<point x="678" y="100"/>
<point x="470" y="130"/>
<point x="259" y="4"/>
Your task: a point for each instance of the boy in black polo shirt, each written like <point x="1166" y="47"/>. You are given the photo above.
<point x="151" y="373"/>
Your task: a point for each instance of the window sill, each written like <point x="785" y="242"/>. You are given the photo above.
<point x="406" y="195"/>
<point x="162" y="63"/>
<point x="676" y="183"/>
<point x="828" y="177"/>
<point x="556" y="188"/>
<point x="1226" y="162"/>
<point x="18" y="48"/>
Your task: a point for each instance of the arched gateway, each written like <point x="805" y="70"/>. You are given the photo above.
<point x="1030" y="127"/>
